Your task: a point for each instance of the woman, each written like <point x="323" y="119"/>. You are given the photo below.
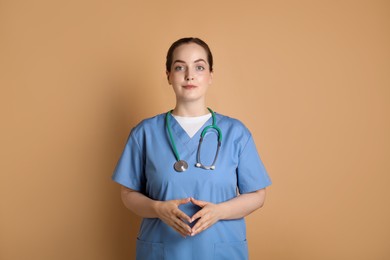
<point x="192" y="195"/>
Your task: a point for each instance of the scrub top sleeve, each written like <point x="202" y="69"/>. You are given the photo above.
<point x="251" y="173"/>
<point x="129" y="171"/>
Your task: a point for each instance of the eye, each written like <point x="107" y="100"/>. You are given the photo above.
<point x="179" y="68"/>
<point x="200" y="68"/>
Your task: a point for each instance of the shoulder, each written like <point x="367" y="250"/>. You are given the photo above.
<point x="149" y="124"/>
<point x="233" y="130"/>
<point x="230" y="123"/>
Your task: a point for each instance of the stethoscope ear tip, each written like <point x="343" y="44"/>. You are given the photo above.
<point x="199" y="165"/>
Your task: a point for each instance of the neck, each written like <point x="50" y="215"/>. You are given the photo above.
<point x="190" y="109"/>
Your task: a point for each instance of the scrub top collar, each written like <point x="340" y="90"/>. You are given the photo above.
<point x="186" y="145"/>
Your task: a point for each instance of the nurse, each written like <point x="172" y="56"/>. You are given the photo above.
<point x="193" y="196"/>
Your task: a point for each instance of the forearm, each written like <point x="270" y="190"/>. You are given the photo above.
<point x="167" y="211"/>
<point x="242" y="205"/>
<point x="139" y="203"/>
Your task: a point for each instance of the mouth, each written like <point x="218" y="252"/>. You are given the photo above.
<point x="189" y="86"/>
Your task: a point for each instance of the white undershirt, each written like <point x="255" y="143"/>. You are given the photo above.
<point x="192" y="124"/>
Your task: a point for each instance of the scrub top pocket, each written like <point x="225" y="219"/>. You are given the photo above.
<point x="231" y="250"/>
<point x="149" y="251"/>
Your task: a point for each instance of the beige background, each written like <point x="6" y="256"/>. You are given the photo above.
<point x="309" y="78"/>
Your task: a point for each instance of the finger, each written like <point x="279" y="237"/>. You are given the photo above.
<point x="180" y="231"/>
<point x="199" y="228"/>
<point x="202" y="222"/>
<point x="184" y="217"/>
<point x="184" y="224"/>
<point x="182" y="228"/>
<point x="199" y="203"/>
<point x="197" y="215"/>
<point x="182" y="201"/>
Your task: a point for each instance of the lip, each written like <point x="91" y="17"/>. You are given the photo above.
<point x="189" y="86"/>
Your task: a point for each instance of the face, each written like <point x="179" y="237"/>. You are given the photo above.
<point x="190" y="74"/>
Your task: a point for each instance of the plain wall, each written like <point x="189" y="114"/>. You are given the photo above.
<point x="311" y="80"/>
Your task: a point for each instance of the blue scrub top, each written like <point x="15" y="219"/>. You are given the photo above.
<point x="146" y="165"/>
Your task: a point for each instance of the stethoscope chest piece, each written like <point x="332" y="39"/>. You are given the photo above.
<point x="180" y="166"/>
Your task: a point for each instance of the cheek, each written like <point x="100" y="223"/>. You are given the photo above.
<point x="176" y="81"/>
<point x="175" y="77"/>
<point x="171" y="79"/>
<point x="206" y="79"/>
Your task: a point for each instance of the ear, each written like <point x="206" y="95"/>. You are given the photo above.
<point x="211" y="77"/>
<point x="167" y="72"/>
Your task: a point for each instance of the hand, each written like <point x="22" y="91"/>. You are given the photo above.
<point x="209" y="215"/>
<point x="169" y="212"/>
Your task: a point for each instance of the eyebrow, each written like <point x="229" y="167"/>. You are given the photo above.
<point x="198" y="60"/>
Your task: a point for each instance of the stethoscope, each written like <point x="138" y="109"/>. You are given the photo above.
<point x="181" y="165"/>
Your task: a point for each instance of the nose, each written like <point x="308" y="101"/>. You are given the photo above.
<point x="189" y="76"/>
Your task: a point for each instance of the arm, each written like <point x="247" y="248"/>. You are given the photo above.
<point x="138" y="203"/>
<point x="238" y="207"/>
<point x="242" y="205"/>
<point x="167" y="211"/>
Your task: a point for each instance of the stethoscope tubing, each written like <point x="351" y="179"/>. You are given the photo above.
<point x="179" y="162"/>
<point x="172" y="141"/>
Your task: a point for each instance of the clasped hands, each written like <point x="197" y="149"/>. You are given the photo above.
<point x="169" y="213"/>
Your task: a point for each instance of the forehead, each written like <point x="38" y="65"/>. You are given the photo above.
<point x="189" y="52"/>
